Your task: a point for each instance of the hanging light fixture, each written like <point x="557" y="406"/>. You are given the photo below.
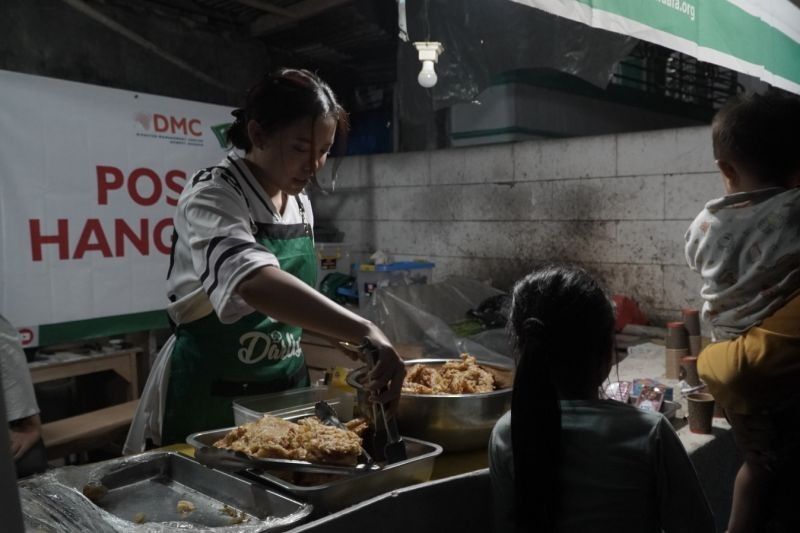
<point x="429" y="54"/>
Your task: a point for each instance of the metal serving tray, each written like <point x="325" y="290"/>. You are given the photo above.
<point x="153" y="487"/>
<point x="348" y="489"/>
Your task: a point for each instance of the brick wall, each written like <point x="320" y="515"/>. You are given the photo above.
<point x="617" y="204"/>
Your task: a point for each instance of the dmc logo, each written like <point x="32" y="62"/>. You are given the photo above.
<point x="170" y="124"/>
<point x="143" y="119"/>
<point x="25" y="336"/>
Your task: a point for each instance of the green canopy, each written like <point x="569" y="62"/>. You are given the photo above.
<point x="757" y="37"/>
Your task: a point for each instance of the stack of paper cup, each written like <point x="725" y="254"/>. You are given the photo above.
<point x="689" y="365"/>
<point x="691" y="321"/>
<point x="677" y="342"/>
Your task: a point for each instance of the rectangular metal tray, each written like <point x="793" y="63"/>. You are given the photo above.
<point x="345" y="490"/>
<point x="154" y="487"/>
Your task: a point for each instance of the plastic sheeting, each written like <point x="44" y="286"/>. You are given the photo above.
<point x="425" y="315"/>
<point x="484" y="38"/>
<point x="54" y="502"/>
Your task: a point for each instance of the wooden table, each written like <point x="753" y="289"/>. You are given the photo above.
<point x="714" y="456"/>
<point x="77" y="434"/>
<point x="67" y="364"/>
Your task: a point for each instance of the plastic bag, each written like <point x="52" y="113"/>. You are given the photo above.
<point x="54" y="502"/>
<point x="484" y="39"/>
<point x="426" y="315"/>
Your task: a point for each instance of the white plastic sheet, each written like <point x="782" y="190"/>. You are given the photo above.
<point x="54" y="502"/>
<point x="425" y="314"/>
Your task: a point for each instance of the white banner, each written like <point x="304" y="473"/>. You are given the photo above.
<point x="90" y="178"/>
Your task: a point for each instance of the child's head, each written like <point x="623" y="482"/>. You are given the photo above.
<point x="287" y="127"/>
<point x="755" y="141"/>
<point x="562" y="322"/>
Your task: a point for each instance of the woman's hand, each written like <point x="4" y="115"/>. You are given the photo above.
<point x="385" y="380"/>
<point x="285" y="298"/>
<point x="24" y="434"/>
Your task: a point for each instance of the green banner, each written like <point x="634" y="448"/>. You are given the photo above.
<point x="101" y="327"/>
<point x="743" y="35"/>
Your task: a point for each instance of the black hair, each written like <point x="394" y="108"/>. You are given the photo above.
<point x="759" y="133"/>
<point x="562" y="328"/>
<point x="283" y="97"/>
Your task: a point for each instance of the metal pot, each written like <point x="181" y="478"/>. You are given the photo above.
<point x="457" y="422"/>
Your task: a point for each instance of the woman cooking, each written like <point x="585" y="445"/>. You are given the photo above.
<point x="242" y="268"/>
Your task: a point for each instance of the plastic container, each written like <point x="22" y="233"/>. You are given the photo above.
<point x="332" y="257"/>
<point x="350" y="294"/>
<point x="370" y="277"/>
<point x="251" y="408"/>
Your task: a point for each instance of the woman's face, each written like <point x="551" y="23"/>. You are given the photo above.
<point x="288" y="158"/>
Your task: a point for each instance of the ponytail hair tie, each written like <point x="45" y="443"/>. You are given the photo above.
<point x="534" y="326"/>
<point x="534" y="340"/>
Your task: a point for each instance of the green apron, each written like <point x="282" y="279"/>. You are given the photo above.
<point x="214" y="363"/>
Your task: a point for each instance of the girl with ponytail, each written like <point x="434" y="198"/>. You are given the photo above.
<point x="594" y="465"/>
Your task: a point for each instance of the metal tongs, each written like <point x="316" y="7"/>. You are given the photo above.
<point x="386" y="434"/>
<point x="327" y="415"/>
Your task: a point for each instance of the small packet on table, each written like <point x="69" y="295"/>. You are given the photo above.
<point x="619" y="391"/>
<point x="650" y="398"/>
<point x="640" y="383"/>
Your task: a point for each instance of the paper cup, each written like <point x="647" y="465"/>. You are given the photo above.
<point x="672" y="362"/>
<point x="695" y="344"/>
<point x="677" y="336"/>
<point x="691" y="321"/>
<point x="689" y="365"/>
<point x="701" y="412"/>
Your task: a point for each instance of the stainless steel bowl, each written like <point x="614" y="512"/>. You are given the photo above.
<point x="457" y="422"/>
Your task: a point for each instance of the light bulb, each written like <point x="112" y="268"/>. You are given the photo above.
<point x="428" y="54"/>
<point x="427" y="76"/>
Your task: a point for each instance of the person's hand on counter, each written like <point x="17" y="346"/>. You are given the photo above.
<point x="24" y="434"/>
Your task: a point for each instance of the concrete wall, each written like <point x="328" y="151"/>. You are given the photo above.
<point x="520" y="112"/>
<point x="617" y="204"/>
